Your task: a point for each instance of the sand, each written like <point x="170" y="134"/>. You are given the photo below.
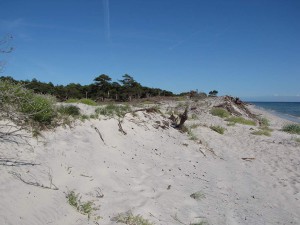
<point x="152" y="171"/>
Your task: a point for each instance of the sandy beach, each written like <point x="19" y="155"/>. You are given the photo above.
<point x="147" y="167"/>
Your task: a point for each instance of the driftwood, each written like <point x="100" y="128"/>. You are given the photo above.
<point x="13" y="162"/>
<point x="248" y="159"/>
<point x="36" y="184"/>
<point x="100" y="135"/>
<point x="121" y="128"/>
<point x="183" y="118"/>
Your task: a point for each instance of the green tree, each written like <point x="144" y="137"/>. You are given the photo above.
<point x="213" y="93"/>
<point x="103" y="81"/>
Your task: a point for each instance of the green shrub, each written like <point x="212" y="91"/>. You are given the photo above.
<point x="218" y="129"/>
<point x="241" y="120"/>
<point x="292" y="128"/>
<point x="113" y="110"/>
<point x="39" y="108"/>
<point x="220" y="112"/>
<point x="70" y="110"/>
<point x="297" y="139"/>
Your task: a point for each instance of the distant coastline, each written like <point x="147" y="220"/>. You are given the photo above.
<point x="285" y="110"/>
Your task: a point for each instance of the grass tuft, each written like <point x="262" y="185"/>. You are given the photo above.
<point x="130" y="219"/>
<point x="292" y="128"/>
<point x="197" y="195"/>
<point x="220" y="112"/>
<point x="112" y="110"/>
<point x="262" y="132"/>
<point x="241" y="120"/>
<point x="218" y="129"/>
<point x="85" y="101"/>
<point x="70" y="110"/>
<point x="85" y="208"/>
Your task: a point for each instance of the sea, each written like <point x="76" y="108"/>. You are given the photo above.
<point x="286" y="110"/>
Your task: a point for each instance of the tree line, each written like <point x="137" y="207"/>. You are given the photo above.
<point x="102" y="89"/>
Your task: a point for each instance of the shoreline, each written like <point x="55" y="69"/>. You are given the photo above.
<point x="288" y="117"/>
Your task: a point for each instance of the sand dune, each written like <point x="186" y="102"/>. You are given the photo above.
<point x="152" y="171"/>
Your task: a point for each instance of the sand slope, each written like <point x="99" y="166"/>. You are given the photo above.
<point x="152" y="171"/>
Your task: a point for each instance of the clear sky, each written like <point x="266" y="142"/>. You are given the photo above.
<point x="238" y="47"/>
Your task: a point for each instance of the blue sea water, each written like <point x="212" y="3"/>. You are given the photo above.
<point x="286" y="110"/>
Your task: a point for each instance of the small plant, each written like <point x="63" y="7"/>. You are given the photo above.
<point x="84" y="117"/>
<point x="262" y="132"/>
<point x="130" y="219"/>
<point x="73" y="199"/>
<point x="220" y="112"/>
<point x="70" y="110"/>
<point x="197" y="195"/>
<point x="292" y="128"/>
<point x="296" y="139"/>
<point x="230" y="124"/>
<point x="194" y="125"/>
<point x="194" y="117"/>
<point x="264" y="122"/>
<point x="85" y="208"/>
<point x="218" y="129"/>
<point x="241" y="120"/>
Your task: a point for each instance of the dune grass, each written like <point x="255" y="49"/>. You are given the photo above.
<point x="197" y="195"/>
<point x="130" y="219"/>
<point x="292" y="128"/>
<point x="262" y="132"/>
<point x="70" y="110"/>
<point x="112" y="110"/>
<point x="85" y="208"/>
<point x="85" y="101"/>
<point x="241" y="120"/>
<point x="220" y="112"/>
<point x="218" y="129"/>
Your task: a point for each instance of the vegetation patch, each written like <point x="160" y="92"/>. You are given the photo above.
<point x="197" y="195"/>
<point x="297" y="139"/>
<point x="70" y="110"/>
<point x="241" y="120"/>
<point x="218" y="129"/>
<point x="130" y="219"/>
<point x="262" y="132"/>
<point x="85" y="208"/>
<point x="263" y="122"/>
<point x="220" y="112"/>
<point x="292" y="128"/>
<point x="85" y="101"/>
<point x="112" y="110"/>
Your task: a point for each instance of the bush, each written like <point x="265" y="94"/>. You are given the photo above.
<point x="70" y="110"/>
<point x="218" y="129"/>
<point x="39" y="108"/>
<point x="241" y="120"/>
<point x="220" y="112"/>
<point x="292" y="128"/>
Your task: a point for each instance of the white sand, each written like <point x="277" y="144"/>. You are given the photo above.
<point x="134" y="171"/>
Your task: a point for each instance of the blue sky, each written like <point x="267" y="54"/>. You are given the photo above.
<point x="241" y="48"/>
